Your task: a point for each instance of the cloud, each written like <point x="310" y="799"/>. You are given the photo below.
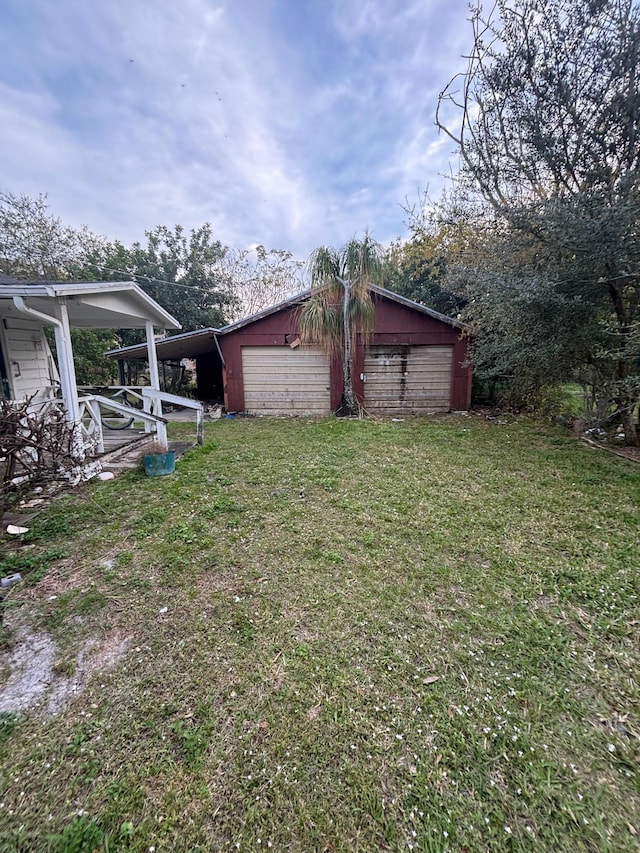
<point x="282" y="125"/>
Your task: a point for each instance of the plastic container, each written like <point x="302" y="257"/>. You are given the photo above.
<point x="159" y="464"/>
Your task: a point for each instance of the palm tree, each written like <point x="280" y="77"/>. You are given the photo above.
<point x="340" y="307"/>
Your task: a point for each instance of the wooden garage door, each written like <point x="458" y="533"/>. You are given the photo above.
<point x="285" y="381"/>
<point x="407" y="379"/>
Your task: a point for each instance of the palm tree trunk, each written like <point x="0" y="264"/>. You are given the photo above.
<point x="349" y="405"/>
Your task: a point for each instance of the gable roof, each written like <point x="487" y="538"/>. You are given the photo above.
<point x="190" y="344"/>
<point x="92" y="304"/>
<point x="417" y="306"/>
<point x="299" y="298"/>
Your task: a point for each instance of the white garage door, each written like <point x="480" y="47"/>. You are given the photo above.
<point x="285" y="381"/>
<point x="407" y="379"/>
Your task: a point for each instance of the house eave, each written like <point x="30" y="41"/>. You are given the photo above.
<point x="165" y="345"/>
<point x="94" y="304"/>
<point x="301" y="297"/>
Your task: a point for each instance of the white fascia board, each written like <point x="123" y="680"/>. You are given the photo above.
<point x="138" y="303"/>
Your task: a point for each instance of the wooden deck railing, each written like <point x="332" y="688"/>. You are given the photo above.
<point x="91" y="417"/>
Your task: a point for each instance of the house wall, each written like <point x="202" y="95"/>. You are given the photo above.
<point x="28" y="360"/>
<point x="394" y="324"/>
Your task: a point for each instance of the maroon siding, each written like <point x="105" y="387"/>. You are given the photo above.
<point x="395" y="324"/>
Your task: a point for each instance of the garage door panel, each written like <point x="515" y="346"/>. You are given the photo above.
<point x="408" y="380"/>
<point x="285" y="381"/>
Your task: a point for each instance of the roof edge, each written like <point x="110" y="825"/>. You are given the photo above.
<point x="24" y="288"/>
<point x="266" y="312"/>
<point x="410" y="303"/>
<point x="209" y="330"/>
<point x="292" y="301"/>
<point x="375" y="288"/>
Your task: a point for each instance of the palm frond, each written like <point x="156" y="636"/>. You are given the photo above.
<point x="361" y="261"/>
<point x="324" y="266"/>
<point x="320" y="322"/>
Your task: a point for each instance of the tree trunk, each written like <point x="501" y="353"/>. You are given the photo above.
<point x="349" y="404"/>
<point x="631" y="437"/>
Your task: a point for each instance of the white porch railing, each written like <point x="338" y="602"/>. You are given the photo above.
<point x="93" y="408"/>
<point x="91" y="418"/>
<point x="153" y="398"/>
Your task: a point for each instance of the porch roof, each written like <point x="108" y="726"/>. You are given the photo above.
<point x="93" y="305"/>
<point x="173" y="348"/>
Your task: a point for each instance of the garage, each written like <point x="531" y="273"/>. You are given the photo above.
<point x="286" y="381"/>
<point x="407" y="380"/>
<point x="416" y="361"/>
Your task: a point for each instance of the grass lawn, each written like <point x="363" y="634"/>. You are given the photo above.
<point x="336" y="635"/>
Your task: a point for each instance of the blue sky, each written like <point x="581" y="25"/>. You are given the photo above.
<point x="291" y="123"/>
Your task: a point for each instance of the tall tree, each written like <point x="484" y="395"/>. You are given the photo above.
<point x="547" y="121"/>
<point x="260" y="278"/>
<point x="35" y="245"/>
<point x="340" y="307"/>
<point x="417" y="267"/>
<point x="182" y="272"/>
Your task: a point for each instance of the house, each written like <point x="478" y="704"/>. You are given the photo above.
<point x="28" y="369"/>
<point x="416" y="362"/>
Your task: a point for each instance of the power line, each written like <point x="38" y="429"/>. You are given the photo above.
<point x="149" y="279"/>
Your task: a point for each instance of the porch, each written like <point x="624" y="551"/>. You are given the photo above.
<point x="123" y="446"/>
<point x="53" y="419"/>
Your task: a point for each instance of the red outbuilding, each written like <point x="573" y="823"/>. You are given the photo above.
<point x="415" y="362"/>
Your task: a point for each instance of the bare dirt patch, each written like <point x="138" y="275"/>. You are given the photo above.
<point x="60" y="579"/>
<point x="35" y="680"/>
<point x="30" y="664"/>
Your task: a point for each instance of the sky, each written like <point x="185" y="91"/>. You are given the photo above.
<point x="286" y="123"/>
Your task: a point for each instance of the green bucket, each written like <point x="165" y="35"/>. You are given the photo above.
<point x="159" y="464"/>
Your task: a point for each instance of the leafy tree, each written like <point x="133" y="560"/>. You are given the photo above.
<point x="89" y="346"/>
<point x="260" y="278"/>
<point x="547" y="121"/>
<point x="340" y="307"/>
<point x="36" y="245"/>
<point x="193" y="276"/>
<point x="417" y="267"/>
<point x="182" y="272"/>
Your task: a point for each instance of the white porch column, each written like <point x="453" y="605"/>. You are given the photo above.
<point x="154" y="379"/>
<point x="67" y="369"/>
